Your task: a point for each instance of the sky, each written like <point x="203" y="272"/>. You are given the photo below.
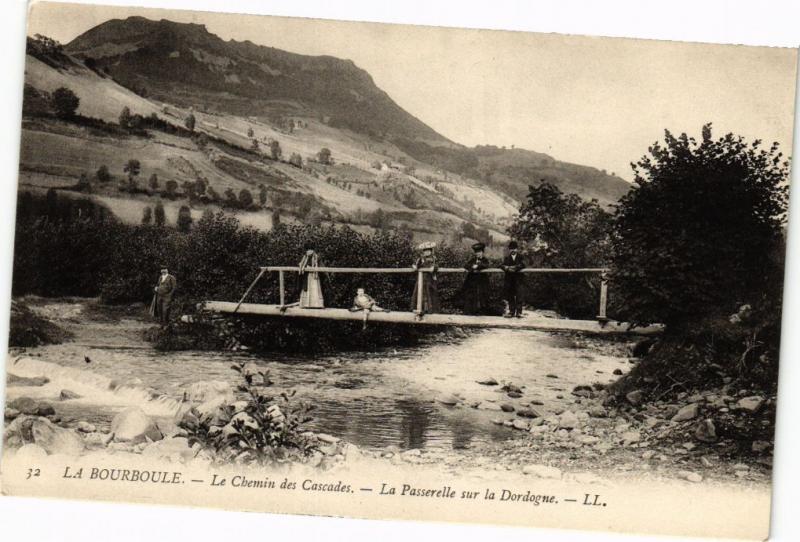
<point x="587" y="100"/>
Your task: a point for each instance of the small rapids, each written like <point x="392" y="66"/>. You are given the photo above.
<point x="401" y="397"/>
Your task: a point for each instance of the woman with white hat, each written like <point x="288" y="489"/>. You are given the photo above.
<point x="430" y="293"/>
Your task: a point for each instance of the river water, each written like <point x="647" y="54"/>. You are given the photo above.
<point x="375" y="399"/>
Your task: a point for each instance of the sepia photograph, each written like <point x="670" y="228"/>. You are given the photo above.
<point x="386" y="271"/>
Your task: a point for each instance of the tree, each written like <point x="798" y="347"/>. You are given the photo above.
<point x="147" y="216"/>
<point x="190" y="122"/>
<point x="324" y="156"/>
<point x="153" y="182"/>
<point x="64" y="102"/>
<point x="296" y="160"/>
<point x="245" y="198"/>
<point x="171" y="188"/>
<point x="276" y="218"/>
<point x="132" y="168"/>
<point x="250" y="132"/>
<point x="254" y="145"/>
<point x="125" y="117"/>
<point x="695" y="237"/>
<point x="262" y="195"/>
<point x="184" y="222"/>
<point x="83" y="184"/>
<point x="275" y="150"/>
<point x="103" y="174"/>
<point x="159" y="216"/>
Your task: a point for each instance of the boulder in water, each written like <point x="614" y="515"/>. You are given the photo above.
<point x="14" y="380"/>
<point x="66" y="395"/>
<point x="45" y="434"/>
<point x="134" y="426"/>
<point x="24" y="405"/>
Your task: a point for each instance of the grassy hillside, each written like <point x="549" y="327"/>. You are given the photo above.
<point x="262" y="161"/>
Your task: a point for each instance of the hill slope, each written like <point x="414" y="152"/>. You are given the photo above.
<point x="186" y="64"/>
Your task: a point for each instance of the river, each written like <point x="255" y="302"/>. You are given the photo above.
<point x="392" y="397"/>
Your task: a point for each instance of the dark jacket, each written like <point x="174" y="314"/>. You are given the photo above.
<point x="476" y="286"/>
<point x="512" y="267"/>
<point x="166" y="287"/>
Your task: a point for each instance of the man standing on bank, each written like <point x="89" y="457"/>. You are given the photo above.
<point x="476" y="285"/>
<point x="164" y="290"/>
<point x="513" y="264"/>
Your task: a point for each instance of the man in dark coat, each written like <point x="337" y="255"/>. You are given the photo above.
<point x="476" y="285"/>
<point x="164" y="290"/>
<point x="513" y="264"/>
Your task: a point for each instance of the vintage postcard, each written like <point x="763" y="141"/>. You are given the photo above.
<point x="398" y="272"/>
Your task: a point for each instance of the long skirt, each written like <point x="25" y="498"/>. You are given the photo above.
<point x="430" y="296"/>
<point x="311" y="294"/>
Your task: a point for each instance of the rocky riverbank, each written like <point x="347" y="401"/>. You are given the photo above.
<point x="552" y="420"/>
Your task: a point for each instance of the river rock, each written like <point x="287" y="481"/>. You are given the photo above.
<point x="630" y="437"/>
<point x="648" y="454"/>
<point x="750" y="404"/>
<point x="449" y="400"/>
<point x="760" y="446"/>
<point x="686" y="413"/>
<point x="173" y="449"/>
<point x="617" y="372"/>
<point x="583" y="391"/>
<point x="41" y="431"/>
<point x="85" y="427"/>
<point x="488" y="382"/>
<point x="514" y="394"/>
<point x="568" y="420"/>
<point x="11" y="413"/>
<point x="528" y="413"/>
<point x="66" y="395"/>
<point x="522" y="425"/>
<point x="506" y="407"/>
<point x="706" y="431"/>
<point x="25" y="405"/>
<point x="14" y="380"/>
<point x="207" y="389"/>
<point x="134" y="426"/>
<point x="690" y="476"/>
<point x="635" y="397"/>
<point x="598" y="412"/>
<point x="542" y="471"/>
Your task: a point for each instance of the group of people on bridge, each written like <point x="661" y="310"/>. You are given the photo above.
<point x="475" y="293"/>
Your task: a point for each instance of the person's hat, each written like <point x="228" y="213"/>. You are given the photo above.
<point x="477" y="247"/>
<point x="163" y="266"/>
<point x="427" y="245"/>
<point x="512" y="245"/>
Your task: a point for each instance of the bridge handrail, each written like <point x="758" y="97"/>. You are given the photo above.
<point x="283" y="269"/>
<point x="400" y="270"/>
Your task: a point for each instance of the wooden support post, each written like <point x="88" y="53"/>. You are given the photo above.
<point x="247" y="292"/>
<point x="602" y="316"/>
<point x="282" y="289"/>
<point x="420" y="290"/>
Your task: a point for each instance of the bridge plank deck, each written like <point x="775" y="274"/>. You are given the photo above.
<point x="401" y="317"/>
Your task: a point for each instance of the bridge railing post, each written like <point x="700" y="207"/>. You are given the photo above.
<point x="281" y="288"/>
<point x="601" y="314"/>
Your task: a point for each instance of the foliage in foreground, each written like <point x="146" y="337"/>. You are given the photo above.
<point x="262" y="428"/>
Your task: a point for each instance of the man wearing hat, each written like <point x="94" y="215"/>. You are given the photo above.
<point x="164" y="290"/>
<point x="513" y="263"/>
<point x="476" y="285"/>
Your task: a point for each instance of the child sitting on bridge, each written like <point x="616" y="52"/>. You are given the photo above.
<point x="364" y="302"/>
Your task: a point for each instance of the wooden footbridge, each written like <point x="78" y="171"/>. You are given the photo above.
<point x="601" y="325"/>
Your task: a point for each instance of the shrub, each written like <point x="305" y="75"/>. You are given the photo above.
<point x="263" y="428"/>
<point x="103" y="174"/>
